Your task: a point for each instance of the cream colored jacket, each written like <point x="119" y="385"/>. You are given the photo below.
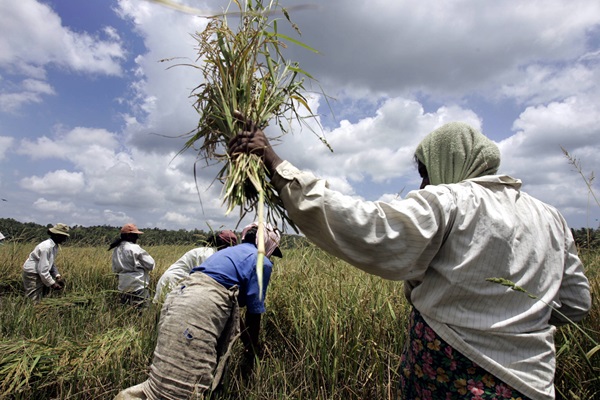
<point x="132" y="264"/>
<point x="445" y="241"/>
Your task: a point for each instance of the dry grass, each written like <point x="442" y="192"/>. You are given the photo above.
<point x="330" y="332"/>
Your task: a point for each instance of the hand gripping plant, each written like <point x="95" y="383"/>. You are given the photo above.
<point x="246" y="73"/>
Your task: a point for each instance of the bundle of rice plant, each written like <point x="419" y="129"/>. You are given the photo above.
<point x="245" y="71"/>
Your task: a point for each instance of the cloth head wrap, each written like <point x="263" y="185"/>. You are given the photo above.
<point x="272" y="239"/>
<point x="227" y="237"/>
<point x="455" y="152"/>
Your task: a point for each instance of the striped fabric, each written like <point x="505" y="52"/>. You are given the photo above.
<point x="199" y="322"/>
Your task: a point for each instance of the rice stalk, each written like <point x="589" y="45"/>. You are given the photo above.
<point x="36" y="363"/>
<point x="260" y="258"/>
<point x="245" y="71"/>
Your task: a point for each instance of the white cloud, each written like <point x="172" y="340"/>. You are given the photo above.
<point x="47" y="206"/>
<point x="443" y="48"/>
<point x="377" y="148"/>
<point x="103" y="174"/>
<point x="176" y="218"/>
<point x="410" y="67"/>
<point x="37" y="86"/>
<point x="5" y="145"/>
<point x="116" y="218"/>
<point x="546" y="83"/>
<point x="161" y="105"/>
<point x="37" y="37"/>
<point x="534" y="153"/>
<point x="31" y="91"/>
<point x="59" y="182"/>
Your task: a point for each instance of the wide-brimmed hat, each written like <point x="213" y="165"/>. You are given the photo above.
<point x="60" y="229"/>
<point x="272" y="239"/>
<point x="130" y="228"/>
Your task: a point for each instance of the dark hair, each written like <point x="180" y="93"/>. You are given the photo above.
<point x="211" y="240"/>
<point x="250" y="236"/>
<point x="421" y="168"/>
<point x="57" y="237"/>
<point x="125" y="237"/>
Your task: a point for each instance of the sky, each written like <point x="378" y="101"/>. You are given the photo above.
<point x="92" y="122"/>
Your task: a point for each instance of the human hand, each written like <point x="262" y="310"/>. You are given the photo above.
<point x="60" y="281"/>
<point x="252" y="140"/>
<point x="56" y="286"/>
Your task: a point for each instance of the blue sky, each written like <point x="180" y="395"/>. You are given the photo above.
<point x="89" y="117"/>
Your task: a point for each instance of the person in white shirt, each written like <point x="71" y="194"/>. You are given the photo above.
<point x="469" y="336"/>
<point x="181" y="268"/>
<point x="132" y="265"/>
<point x="40" y="273"/>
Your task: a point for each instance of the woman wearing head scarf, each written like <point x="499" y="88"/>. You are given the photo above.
<point x="200" y="320"/>
<point x="193" y="258"/>
<point x="40" y="274"/>
<point x="469" y="337"/>
<point x="132" y="265"/>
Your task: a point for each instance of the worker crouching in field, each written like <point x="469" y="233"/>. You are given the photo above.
<point x="182" y="267"/>
<point x="200" y="321"/>
<point x="132" y="264"/>
<point x="40" y="274"/>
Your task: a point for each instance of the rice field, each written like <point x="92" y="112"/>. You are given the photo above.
<point x="330" y="332"/>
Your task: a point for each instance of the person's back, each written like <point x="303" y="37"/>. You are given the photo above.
<point x="236" y="266"/>
<point x="180" y="269"/>
<point x="200" y="320"/>
<point x="497" y="231"/>
<point x="493" y="230"/>
<point x="132" y="265"/>
<point x="468" y="332"/>
<point x="133" y="270"/>
<point x="39" y="271"/>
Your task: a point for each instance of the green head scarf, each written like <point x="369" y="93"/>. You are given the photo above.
<point x="455" y="152"/>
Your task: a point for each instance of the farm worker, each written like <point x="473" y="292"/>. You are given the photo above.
<point x="182" y="267"/>
<point x="468" y="337"/>
<point x="200" y="320"/>
<point x="132" y="264"/>
<point x="40" y="273"/>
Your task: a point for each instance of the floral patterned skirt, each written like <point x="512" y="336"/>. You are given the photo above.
<point x="431" y="369"/>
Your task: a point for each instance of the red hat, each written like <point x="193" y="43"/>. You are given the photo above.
<point x="228" y="237"/>
<point x="130" y="228"/>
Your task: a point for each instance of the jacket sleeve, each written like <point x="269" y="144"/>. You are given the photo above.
<point x="395" y="240"/>
<point x="45" y="264"/>
<point x="145" y="260"/>
<point x="574" y="298"/>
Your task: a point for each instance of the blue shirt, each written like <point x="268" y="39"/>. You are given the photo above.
<point x="236" y="265"/>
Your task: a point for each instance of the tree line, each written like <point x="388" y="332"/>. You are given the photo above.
<point x="587" y="238"/>
<point x="103" y="235"/>
<point x="99" y="235"/>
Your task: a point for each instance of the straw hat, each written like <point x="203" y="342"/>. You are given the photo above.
<point x="60" y="229"/>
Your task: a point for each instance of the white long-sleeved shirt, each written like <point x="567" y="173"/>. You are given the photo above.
<point x="181" y="269"/>
<point x="41" y="261"/>
<point x="133" y="265"/>
<point x="445" y="241"/>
